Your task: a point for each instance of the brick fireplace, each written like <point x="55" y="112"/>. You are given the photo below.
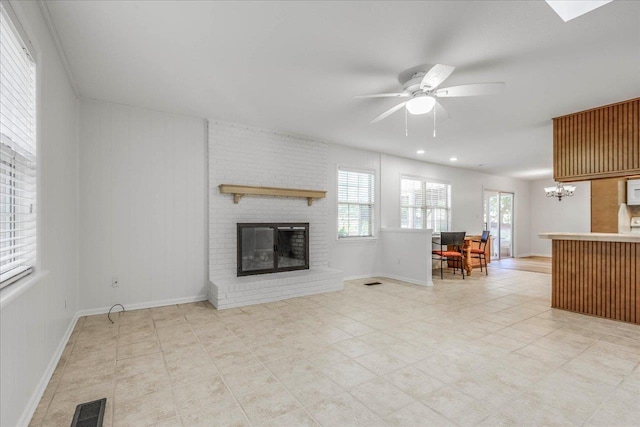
<point x="256" y="157"/>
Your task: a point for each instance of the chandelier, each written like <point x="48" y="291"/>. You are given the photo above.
<point x="560" y="191"/>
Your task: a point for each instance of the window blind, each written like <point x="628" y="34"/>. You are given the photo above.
<point x="424" y="204"/>
<point x="355" y="203"/>
<point x="17" y="155"/>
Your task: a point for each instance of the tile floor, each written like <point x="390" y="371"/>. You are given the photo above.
<point x="485" y="351"/>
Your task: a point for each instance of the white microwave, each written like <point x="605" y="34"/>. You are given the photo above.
<point x="633" y="192"/>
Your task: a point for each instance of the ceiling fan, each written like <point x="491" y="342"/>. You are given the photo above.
<point x="422" y="90"/>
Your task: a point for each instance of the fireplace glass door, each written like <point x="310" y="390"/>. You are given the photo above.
<point x="273" y="247"/>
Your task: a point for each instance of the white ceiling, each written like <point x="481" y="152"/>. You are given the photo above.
<point x="295" y="66"/>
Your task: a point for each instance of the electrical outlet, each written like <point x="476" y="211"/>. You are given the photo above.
<point x="115" y="282"/>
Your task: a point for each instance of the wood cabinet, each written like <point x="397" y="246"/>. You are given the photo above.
<point x="602" y="142"/>
<point x="597" y="278"/>
<point x="606" y="197"/>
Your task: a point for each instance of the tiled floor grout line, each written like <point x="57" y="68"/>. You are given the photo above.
<point x="354" y="307"/>
<point x="220" y="374"/>
<point x="173" y="393"/>
<point x="64" y="366"/>
<point x="115" y="373"/>
<point x="617" y="387"/>
<point x="509" y="352"/>
<point x="281" y="383"/>
<point x="559" y="368"/>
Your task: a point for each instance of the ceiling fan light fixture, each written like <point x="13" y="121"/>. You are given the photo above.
<point x="420" y="104"/>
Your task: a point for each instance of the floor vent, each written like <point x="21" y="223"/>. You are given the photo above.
<point x="373" y="283"/>
<point x="89" y="414"/>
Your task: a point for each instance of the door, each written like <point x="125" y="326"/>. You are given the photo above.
<point x="498" y="219"/>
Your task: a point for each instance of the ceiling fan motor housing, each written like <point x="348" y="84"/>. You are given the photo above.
<point x="413" y="85"/>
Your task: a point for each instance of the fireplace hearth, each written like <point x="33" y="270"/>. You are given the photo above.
<point x="272" y="247"/>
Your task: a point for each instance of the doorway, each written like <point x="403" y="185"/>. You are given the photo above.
<point x="498" y="219"/>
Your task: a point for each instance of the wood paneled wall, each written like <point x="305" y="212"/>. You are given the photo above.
<point x="597" y="278"/>
<point x="598" y="143"/>
<point x="606" y="197"/>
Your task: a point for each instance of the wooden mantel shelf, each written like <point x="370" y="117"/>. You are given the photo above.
<point x="244" y="190"/>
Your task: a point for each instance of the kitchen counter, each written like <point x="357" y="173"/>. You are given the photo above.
<point x="594" y="237"/>
<point x="596" y="274"/>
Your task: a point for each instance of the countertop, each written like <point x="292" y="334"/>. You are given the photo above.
<point x="597" y="237"/>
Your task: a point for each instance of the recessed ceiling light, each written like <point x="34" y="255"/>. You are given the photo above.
<point x="453" y="159"/>
<point x="568" y="10"/>
<point x="420" y="151"/>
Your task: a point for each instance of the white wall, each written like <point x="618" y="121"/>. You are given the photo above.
<point x="34" y="323"/>
<point x="143" y="206"/>
<point x="406" y="255"/>
<point x="241" y="155"/>
<point x="359" y="258"/>
<point x="355" y="257"/>
<point x="257" y="157"/>
<point x="571" y="215"/>
<point x="466" y="196"/>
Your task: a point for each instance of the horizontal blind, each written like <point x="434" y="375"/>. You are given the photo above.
<point x="17" y="155"/>
<point x="355" y="203"/>
<point x="424" y="204"/>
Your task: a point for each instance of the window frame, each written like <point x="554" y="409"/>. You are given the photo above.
<point x="426" y="180"/>
<point x="9" y="288"/>
<point x="371" y="172"/>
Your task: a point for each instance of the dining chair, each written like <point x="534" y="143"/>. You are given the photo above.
<point x="480" y="251"/>
<point x="455" y="239"/>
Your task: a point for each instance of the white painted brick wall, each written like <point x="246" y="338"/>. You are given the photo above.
<point x="249" y="156"/>
<point x="259" y="289"/>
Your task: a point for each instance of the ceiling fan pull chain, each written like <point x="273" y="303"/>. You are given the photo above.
<point x="406" y="127"/>
<point x="434" y="121"/>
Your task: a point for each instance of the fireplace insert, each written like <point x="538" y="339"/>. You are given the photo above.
<point x="272" y="247"/>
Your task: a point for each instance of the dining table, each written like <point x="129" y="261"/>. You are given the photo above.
<point x="466" y="252"/>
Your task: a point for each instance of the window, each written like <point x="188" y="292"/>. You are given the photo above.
<point x="17" y="154"/>
<point x="355" y="203"/>
<point x="425" y="204"/>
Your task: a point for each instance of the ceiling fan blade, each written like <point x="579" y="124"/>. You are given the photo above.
<point x="441" y="113"/>
<point x="384" y="95"/>
<point x="389" y="112"/>
<point x="436" y="75"/>
<point x="475" y="89"/>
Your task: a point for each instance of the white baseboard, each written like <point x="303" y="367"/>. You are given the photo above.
<point x="409" y="280"/>
<point x="541" y="255"/>
<point x="141" y="305"/>
<point x="391" y="276"/>
<point x="363" y="276"/>
<point x="53" y="363"/>
<point x="31" y="407"/>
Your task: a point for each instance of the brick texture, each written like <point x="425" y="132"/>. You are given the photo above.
<point x="249" y="156"/>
